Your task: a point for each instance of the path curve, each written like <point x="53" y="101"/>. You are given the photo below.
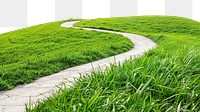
<point x="14" y="100"/>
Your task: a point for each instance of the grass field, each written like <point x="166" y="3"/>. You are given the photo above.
<point x="166" y="78"/>
<point x="37" y="51"/>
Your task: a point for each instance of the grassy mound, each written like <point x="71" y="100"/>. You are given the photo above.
<point x="166" y="78"/>
<point x="33" y="52"/>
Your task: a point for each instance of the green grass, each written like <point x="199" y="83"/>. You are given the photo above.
<point x="166" y="78"/>
<point x="41" y="50"/>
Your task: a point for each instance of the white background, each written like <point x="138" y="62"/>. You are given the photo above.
<point x="41" y="11"/>
<point x="196" y="10"/>
<point x="96" y="9"/>
<point x="151" y="7"/>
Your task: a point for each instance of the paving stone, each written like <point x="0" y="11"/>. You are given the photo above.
<point x="36" y="91"/>
<point x="12" y="109"/>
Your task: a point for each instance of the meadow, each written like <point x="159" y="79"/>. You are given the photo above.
<point x="166" y="78"/>
<point x="37" y="51"/>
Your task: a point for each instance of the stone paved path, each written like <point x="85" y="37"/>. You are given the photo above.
<point x="14" y="100"/>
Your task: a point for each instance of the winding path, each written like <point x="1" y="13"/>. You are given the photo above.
<point x="14" y="100"/>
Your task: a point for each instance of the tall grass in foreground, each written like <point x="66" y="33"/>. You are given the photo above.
<point x="149" y="83"/>
<point x="166" y="78"/>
